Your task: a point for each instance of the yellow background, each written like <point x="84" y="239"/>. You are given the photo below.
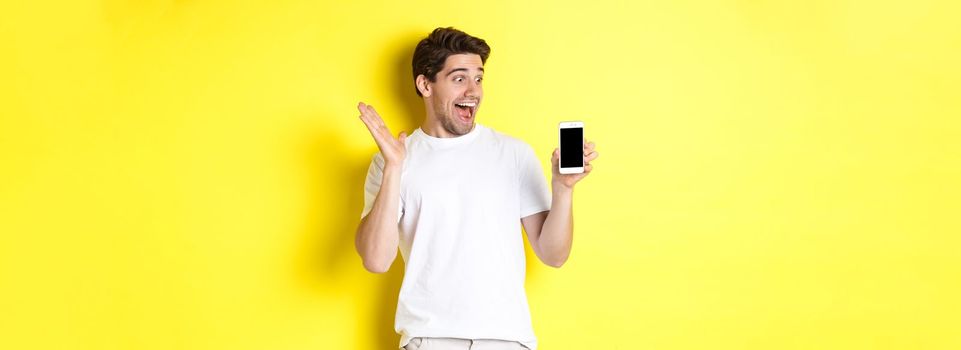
<point x="774" y="175"/>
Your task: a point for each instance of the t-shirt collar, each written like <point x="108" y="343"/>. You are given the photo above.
<point x="450" y="141"/>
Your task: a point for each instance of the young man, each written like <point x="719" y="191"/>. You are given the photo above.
<point x="452" y="197"/>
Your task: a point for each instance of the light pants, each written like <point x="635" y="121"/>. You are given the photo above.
<point x="419" y="343"/>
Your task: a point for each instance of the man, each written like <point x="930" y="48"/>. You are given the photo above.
<point x="451" y="196"/>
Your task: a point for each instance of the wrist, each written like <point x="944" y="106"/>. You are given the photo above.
<point x="559" y="187"/>
<point x="393" y="167"/>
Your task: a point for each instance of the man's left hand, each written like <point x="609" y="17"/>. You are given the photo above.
<point x="568" y="180"/>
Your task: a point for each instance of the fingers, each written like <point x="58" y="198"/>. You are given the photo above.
<point x="370" y="125"/>
<point x="589" y="153"/>
<point x="375" y="115"/>
<point x="371" y="114"/>
<point x="374" y="124"/>
<point x="365" y="117"/>
<point x="590" y="156"/>
<point x="368" y="113"/>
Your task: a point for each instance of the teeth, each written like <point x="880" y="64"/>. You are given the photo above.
<point x="467" y="104"/>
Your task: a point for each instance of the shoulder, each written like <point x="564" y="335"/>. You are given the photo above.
<point x="508" y="141"/>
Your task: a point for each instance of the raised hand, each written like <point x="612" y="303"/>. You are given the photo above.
<point x="393" y="149"/>
<point x="568" y="180"/>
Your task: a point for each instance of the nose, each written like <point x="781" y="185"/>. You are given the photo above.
<point x="473" y="89"/>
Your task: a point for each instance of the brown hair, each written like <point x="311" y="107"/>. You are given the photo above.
<point x="432" y="51"/>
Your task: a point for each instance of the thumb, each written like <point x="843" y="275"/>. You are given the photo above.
<point x="402" y="136"/>
<point x="555" y="156"/>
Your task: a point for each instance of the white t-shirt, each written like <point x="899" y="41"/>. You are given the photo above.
<point x="461" y="203"/>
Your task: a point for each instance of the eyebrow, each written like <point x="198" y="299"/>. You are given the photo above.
<point x="463" y="69"/>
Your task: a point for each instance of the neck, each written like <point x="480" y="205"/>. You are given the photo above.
<point x="433" y="127"/>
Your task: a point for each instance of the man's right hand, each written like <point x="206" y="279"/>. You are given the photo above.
<point x="393" y="149"/>
<point x="378" y="236"/>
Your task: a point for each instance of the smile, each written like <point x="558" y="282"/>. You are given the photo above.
<point x="466" y="110"/>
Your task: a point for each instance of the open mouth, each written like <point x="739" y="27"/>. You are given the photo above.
<point x="466" y="110"/>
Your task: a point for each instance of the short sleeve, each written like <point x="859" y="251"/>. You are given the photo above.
<point x="375" y="175"/>
<point x="535" y="196"/>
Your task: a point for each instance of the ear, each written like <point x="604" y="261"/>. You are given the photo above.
<point x="423" y="85"/>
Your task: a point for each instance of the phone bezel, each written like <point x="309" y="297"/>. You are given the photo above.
<point x="569" y="125"/>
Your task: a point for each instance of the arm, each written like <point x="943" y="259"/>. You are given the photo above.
<point x="551" y="233"/>
<point x="377" y="236"/>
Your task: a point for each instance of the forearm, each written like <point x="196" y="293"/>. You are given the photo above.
<point x="377" y="236"/>
<point x="557" y="234"/>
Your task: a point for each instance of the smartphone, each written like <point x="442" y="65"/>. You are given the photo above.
<point x="571" y="147"/>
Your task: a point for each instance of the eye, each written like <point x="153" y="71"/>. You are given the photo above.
<point x="479" y="79"/>
<point x="459" y="79"/>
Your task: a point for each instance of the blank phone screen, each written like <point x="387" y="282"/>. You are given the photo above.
<point x="572" y="147"/>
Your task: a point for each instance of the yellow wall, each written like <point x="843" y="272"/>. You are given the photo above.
<point x="188" y="174"/>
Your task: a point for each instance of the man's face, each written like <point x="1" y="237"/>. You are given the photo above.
<point x="456" y="93"/>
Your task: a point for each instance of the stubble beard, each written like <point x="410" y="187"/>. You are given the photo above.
<point x="453" y="127"/>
